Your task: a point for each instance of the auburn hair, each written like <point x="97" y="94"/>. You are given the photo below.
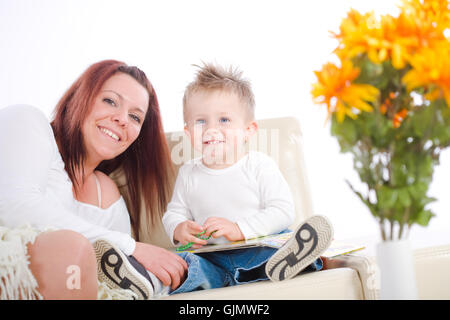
<point x="146" y="163"/>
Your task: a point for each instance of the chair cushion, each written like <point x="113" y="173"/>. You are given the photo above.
<point x="432" y="267"/>
<point x="280" y="138"/>
<point x="334" y="284"/>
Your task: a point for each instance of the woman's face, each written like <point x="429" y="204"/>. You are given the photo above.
<point x="116" y="117"/>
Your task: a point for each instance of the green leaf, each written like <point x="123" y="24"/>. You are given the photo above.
<point x="423" y="217"/>
<point x="379" y="75"/>
<point x="404" y="198"/>
<point x="425" y="167"/>
<point x="426" y="200"/>
<point x="421" y="120"/>
<point x="371" y="206"/>
<point x="387" y="197"/>
<point x="345" y="132"/>
<point x="418" y="190"/>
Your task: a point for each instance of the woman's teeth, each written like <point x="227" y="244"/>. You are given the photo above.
<point x="109" y="133"/>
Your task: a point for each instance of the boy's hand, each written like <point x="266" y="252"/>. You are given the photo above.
<point x="224" y="228"/>
<point x="186" y="232"/>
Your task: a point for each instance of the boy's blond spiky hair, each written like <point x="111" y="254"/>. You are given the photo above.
<point x="215" y="77"/>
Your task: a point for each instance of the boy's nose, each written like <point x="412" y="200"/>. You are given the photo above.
<point x="212" y="133"/>
<point x="211" y="130"/>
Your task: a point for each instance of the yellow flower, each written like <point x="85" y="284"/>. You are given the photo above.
<point x="358" y="34"/>
<point x="431" y="66"/>
<point x="378" y="38"/>
<point x="336" y="90"/>
<point x="419" y="24"/>
<point x="399" y="41"/>
<point x="433" y="16"/>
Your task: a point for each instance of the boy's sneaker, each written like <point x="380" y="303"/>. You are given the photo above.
<point x="115" y="269"/>
<point x="306" y="245"/>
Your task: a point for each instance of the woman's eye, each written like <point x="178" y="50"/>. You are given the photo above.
<point x="135" y="118"/>
<point x="109" y="101"/>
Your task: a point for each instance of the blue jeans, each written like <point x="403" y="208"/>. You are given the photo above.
<point x="228" y="268"/>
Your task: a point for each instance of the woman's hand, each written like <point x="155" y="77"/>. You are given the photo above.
<point x="224" y="228"/>
<point x="185" y="232"/>
<point x="165" y="265"/>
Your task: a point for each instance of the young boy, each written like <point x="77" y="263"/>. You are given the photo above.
<point x="232" y="194"/>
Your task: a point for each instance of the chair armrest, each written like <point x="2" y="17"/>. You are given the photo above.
<point x="366" y="268"/>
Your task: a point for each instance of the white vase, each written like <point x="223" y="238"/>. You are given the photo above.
<point x="397" y="274"/>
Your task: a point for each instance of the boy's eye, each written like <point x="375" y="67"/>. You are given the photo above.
<point x="200" y="121"/>
<point x="224" y="120"/>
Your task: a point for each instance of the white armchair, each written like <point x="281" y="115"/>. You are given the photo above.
<point x="348" y="277"/>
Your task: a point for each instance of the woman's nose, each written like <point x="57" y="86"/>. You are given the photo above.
<point x="121" y="117"/>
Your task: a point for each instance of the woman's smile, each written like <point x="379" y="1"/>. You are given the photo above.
<point x="109" y="133"/>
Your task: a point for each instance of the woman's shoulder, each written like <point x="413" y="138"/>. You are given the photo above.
<point x="110" y="191"/>
<point x="25" y="111"/>
<point x="25" y="116"/>
<point x="27" y="127"/>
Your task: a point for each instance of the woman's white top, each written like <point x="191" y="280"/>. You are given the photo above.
<point x="35" y="188"/>
<point x="252" y="193"/>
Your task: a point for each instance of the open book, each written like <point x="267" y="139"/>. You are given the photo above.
<point x="336" y="248"/>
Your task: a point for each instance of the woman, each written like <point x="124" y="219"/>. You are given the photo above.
<point x="57" y="176"/>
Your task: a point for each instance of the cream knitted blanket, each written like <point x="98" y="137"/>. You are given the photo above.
<point x="16" y="279"/>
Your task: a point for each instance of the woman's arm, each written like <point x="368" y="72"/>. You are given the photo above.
<point x="165" y="265"/>
<point x="27" y="150"/>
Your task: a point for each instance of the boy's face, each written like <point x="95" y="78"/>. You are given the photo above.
<point x="218" y="126"/>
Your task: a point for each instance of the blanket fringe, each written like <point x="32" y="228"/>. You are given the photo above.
<point x="16" y="279"/>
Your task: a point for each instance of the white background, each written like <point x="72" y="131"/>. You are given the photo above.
<point x="45" y="45"/>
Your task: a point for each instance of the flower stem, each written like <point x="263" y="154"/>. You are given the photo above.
<point x="383" y="232"/>
<point x="392" y="230"/>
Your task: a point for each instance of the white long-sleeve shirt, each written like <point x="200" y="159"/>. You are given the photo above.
<point x="35" y="189"/>
<point x="252" y="193"/>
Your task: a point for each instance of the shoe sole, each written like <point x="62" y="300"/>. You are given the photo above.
<point x="115" y="270"/>
<point x="307" y="243"/>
